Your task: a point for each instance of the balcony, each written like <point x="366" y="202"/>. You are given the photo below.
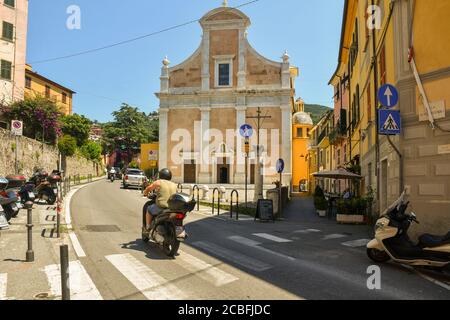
<point x="338" y="134"/>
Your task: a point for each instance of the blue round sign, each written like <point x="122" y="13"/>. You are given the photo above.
<point x="246" y="131"/>
<point x="280" y="165"/>
<point x="388" y="96"/>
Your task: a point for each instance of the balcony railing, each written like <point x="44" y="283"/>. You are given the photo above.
<point x="322" y="136"/>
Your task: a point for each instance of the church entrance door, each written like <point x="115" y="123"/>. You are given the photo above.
<point x="189" y="172"/>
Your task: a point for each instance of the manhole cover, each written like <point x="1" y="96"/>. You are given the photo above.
<point x="102" y="228"/>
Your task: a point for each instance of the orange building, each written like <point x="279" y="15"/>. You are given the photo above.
<point x="301" y="125"/>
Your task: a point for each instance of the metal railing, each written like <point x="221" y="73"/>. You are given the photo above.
<point x="214" y="201"/>
<point x="237" y="204"/>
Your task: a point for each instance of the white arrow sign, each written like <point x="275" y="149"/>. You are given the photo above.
<point x="388" y="93"/>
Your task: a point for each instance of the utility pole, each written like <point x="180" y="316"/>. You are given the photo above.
<point x="258" y="170"/>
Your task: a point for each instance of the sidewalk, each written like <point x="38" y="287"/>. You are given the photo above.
<point x="38" y="280"/>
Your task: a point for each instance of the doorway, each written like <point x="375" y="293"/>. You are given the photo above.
<point x="190" y="172"/>
<point x="223" y="172"/>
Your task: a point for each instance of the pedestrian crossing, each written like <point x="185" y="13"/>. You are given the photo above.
<point x="213" y="267"/>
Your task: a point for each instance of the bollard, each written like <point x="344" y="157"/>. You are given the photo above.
<point x="196" y="187"/>
<point x="58" y="218"/>
<point x="65" y="278"/>
<point x="237" y="204"/>
<point x="30" y="252"/>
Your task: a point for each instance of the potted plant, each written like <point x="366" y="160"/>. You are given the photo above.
<point x="351" y="211"/>
<point x="320" y="202"/>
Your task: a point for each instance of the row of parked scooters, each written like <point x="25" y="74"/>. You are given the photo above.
<point x="15" y="191"/>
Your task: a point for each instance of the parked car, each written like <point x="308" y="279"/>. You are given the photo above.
<point x="118" y="173"/>
<point x="134" y="178"/>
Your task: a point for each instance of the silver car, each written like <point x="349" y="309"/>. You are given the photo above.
<point x="133" y="178"/>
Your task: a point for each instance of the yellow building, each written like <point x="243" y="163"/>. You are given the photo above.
<point x="149" y="156"/>
<point x="418" y="159"/>
<point x="36" y="84"/>
<point x="301" y="125"/>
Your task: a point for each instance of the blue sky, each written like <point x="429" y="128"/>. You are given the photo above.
<point x="309" y="30"/>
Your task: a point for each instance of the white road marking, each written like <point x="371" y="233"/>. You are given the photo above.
<point x="334" y="236"/>
<point x="152" y="285"/>
<point x="308" y="231"/>
<point x="3" y="283"/>
<point x="356" y="243"/>
<point x="271" y="237"/>
<point x="76" y="245"/>
<point x="81" y="285"/>
<point x="205" y="270"/>
<point x="233" y="256"/>
<point x="255" y="245"/>
<point x="436" y="282"/>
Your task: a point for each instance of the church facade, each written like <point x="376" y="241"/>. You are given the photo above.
<point x="208" y="97"/>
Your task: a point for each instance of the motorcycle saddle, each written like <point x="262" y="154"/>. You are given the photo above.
<point x="430" y="240"/>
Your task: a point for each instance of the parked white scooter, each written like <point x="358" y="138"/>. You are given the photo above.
<point x="392" y="241"/>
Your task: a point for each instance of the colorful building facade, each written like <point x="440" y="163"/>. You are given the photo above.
<point x="36" y="84"/>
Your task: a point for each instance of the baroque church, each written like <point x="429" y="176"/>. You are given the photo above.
<point x="208" y="97"/>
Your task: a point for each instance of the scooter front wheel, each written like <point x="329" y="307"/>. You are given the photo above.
<point x="378" y="255"/>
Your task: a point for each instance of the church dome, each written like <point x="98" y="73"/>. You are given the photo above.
<point x="302" y="118"/>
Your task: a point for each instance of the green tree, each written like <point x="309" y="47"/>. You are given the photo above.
<point x="91" y="151"/>
<point x="40" y="116"/>
<point x="129" y="130"/>
<point x="78" y="126"/>
<point x="67" y="145"/>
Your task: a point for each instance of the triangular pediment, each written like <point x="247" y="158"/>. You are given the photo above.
<point x="224" y="15"/>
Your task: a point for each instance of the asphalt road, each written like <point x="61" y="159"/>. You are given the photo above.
<point x="230" y="260"/>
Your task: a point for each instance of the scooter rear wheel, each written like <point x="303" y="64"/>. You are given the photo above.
<point x="378" y="255"/>
<point x="171" y="244"/>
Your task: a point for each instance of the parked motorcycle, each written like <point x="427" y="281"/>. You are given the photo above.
<point x="167" y="228"/>
<point x="392" y="241"/>
<point x="8" y="200"/>
<point x="45" y="185"/>
<point x="111" y="177"/>
<point x="15" y="184"/>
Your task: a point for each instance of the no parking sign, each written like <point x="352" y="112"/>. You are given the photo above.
<point x="17" y="127"/>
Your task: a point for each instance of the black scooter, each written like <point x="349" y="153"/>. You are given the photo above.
<point x="167" y="228"/>
<point x="8" y="201"/>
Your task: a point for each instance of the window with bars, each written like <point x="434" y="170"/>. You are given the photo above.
<point x="10" y="3"/>
<point x="64" y="97"/>
<point x="8" y="31"/>
<point x="6" y="70"/>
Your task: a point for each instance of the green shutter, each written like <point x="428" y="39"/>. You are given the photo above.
<point x="8" y="31"/>
<point x="6" y="70"/>
<point x="11" y="3"/>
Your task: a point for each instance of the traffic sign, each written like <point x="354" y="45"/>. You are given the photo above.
<point x="388" y="96"/>
<point x="17" y="127"/>
<point x="280" y="165"/>
<point x="389" y="122"/>
<point x="246" y="131"/>
<point x="247" y="146"/>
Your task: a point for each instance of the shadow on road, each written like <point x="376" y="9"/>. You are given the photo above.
<point x="152" y="250"/>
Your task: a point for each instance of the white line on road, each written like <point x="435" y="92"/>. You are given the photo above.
<point x="233" y="256"/>
<point x="205" y="270"/>
<point x="255" y="245"/>
<point x="436" y="282"/>
<point x="334" y="236"/>
<point x="308" y="231"/>
<point x="76" y="245"/>
<point x="81" y="285"/>
<point x="271" y="237"/>
<point x="3" y="283"/>
<point x="356" y="243"/>
<point x="152" y="285"/>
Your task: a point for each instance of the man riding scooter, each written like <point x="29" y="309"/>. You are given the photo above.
<point x="164" y="188"/>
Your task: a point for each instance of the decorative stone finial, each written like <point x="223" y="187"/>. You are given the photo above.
<point x="225" y="3"/>
<point x="286" y="57"/>
<point x="166" y="61"/>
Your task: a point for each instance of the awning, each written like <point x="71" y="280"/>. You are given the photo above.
<point x="337" y="174"/>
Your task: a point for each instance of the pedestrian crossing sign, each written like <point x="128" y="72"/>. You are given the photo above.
<point x="389" y="122"/>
